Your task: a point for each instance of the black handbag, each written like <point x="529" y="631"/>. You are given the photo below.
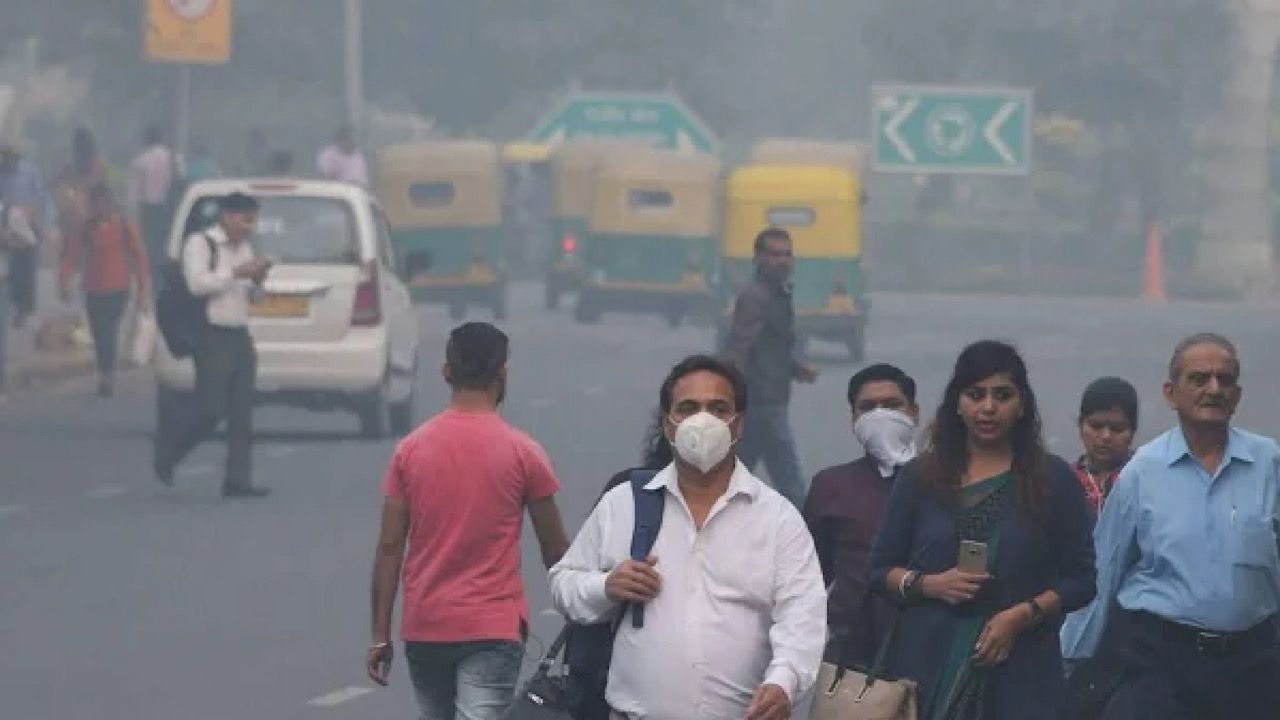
<point x="546" y="695"/>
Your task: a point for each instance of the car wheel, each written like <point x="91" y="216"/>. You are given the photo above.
<point x="375" y="413"/>
<point x="403" y="415"/>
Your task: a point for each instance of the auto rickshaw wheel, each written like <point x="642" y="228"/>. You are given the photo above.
<point x="587" y="310"/>
<point x="500" y="303"/>
<point x="457" y="309"/>
<point x="552" y="297"/>
<point x="674" y="316"/>
<point x="857" y="342"/>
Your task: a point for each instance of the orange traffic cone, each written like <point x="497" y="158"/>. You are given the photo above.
<point x="1153" y="267"/>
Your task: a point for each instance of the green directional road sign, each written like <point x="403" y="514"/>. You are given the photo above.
<point x="662" y="120"/>
<point x="931" y="129"/>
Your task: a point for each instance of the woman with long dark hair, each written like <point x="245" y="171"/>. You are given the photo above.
<point x="986" y="544"/>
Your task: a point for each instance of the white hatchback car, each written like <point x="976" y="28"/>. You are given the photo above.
<point x="335" y="328"/>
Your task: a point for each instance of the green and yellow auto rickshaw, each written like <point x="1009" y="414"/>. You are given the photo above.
<point x="650" y="242"/>
<point x="443" y="200"/>
<point x="573" y="170"/>
<point x="820" y="206"/>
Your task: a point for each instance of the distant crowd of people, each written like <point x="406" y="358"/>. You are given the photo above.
<point x="964" y="567"/>
<point x="113" y="249"/>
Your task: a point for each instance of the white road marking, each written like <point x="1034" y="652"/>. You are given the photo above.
<point x="593" y="391"/>
<point x="13" y="510"/>
<point x="202" y="469"/>
<point x="338" y="697"/>
<point x="280" y="451"/>
<point x="103" y="493"/>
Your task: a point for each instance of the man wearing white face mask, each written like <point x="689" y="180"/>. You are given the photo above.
<point x="734" y="620"/>
<point x="846" y="503"/>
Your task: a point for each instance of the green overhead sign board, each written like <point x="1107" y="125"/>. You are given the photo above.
<point x="938" y="129"/>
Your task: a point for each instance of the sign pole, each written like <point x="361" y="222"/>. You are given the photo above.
<point x="353" y="65"/>
<point x="182" y="125"/>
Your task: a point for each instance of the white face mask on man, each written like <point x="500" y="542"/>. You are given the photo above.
<point x="889" y="437"/>
<point x="703" y="440"/>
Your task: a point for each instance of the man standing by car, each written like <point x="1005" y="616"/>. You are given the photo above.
<point x="455" y="493"/>
<point x="762" y="343"/>
<point x="219" y="265"/>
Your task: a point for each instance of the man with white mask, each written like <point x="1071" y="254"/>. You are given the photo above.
<point x="846" y="503"/>
<point x="734" y="619"/>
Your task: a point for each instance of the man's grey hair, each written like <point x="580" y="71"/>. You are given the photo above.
<point x="1206" y="338"/>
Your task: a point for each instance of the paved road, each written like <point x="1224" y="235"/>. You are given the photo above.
<point x="120" y="599"/>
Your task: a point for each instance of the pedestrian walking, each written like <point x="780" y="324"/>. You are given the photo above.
<point x="986" y="543"/>
<point x="22" y="185"/>
<point x="455" y="493"/>
<point x="733" y="619"/>
<point x="154" y="176"/>
<point x="1184" y="625"/>
<point x="86" y="170"/>
<point x="17" y="234"/>
<point x="845" y="505"/>
<point x="1108" y="420"/>
<point x="108" y="255"/>
<point x="219" y="264"/>
<point x="342" y="160"/>
<point x="762" y="343"/>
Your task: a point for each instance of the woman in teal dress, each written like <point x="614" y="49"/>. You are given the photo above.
<point x="983" y="645"/>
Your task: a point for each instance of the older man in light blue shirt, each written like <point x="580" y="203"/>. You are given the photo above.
<point x="1188" y="567"/>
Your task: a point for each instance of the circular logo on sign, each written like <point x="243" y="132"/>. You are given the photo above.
<point x="191" y="9"/>
<point x="950" y="130"/>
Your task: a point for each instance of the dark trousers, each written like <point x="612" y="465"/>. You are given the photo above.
<point x="226" y="365"/>
<point x="105" y="312"/>
<point x="22" y="281"/>
<point x="1167" y="677"/>
<point x="155" y="219"/>
<point x="766" y="435"/>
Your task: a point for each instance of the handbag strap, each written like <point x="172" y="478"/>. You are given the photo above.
<point x="553" y="652"/>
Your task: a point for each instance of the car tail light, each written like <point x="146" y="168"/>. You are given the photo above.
<point x="367" y="309"/>
<point x="569" y="244"/>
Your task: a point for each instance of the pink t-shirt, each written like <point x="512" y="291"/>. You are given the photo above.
<point x="467" y="477"/>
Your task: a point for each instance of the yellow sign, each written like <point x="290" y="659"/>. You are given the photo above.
<point x="188" y="31"/>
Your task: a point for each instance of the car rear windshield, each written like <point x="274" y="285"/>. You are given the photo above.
<point x="293" y="229"/>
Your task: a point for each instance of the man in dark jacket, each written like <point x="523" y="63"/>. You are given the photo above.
<point x="846" y="503"/>
<point x="762" y="342"/>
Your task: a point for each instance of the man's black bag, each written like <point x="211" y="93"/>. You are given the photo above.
<point x="588" y="649"/>
<point x="182" y="316"/>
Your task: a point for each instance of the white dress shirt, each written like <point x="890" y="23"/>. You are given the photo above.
<point x="150" y="176"/>
<point x="742" y="602"/>
<point x="228" y="295"/>
<point x="335" y="164"/>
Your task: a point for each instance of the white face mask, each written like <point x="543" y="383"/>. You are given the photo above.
<point x="889" y="437"/>
<point x="703" y="441"/>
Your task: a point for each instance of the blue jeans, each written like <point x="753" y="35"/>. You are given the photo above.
<point x="767" y="436"/>
<point x="5" y="321"/>
<point x="466" y="680"/>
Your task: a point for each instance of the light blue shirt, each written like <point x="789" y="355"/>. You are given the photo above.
<point x="1193" y="548"/>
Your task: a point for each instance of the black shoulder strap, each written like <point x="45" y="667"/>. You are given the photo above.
<point x="213" y="250"/>
<point x="648" y="511"/>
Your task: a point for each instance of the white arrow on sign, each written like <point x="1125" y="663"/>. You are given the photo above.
<point x="992" y="133"/>
<point x="891" y="129"/>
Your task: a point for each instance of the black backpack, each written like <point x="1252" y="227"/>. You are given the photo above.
<point x="181" y="315"/>
<point x="588" y="649"/>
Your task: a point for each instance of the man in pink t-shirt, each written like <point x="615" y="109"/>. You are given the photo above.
<point x="456" y="492"/>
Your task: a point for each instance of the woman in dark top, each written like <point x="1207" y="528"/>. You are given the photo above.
<point x="1108" y="420"/>
<point x="985" y="646"/>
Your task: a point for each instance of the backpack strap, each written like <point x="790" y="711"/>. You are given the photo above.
<point x="648" y="510"/>
<point x="213" y="250"/>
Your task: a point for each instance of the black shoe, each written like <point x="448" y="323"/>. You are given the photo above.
<point x="251" y="491"/>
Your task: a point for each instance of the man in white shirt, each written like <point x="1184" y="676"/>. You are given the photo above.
<point x="342" y="160"/>
<point x="734" y="605"/>
<point x="226" y="363"/>
<point x="152" y="175"/>
<point x="16" y="233"/>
